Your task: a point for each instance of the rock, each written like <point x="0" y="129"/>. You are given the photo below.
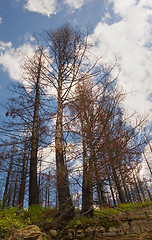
<point x="101" y="229"/>
<point x="145" y="236"/>
<point x="112" y="229"/>
<point x="31" y="232"/>
<point x="53" y="233"/>
<point x="80" y="233"/>
<point x="124" y="228"/>
<point x="71" y="233"/>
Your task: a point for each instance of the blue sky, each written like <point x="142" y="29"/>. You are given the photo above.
<point x="121" y="29"/>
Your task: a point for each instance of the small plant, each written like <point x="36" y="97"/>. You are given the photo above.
<point x="82" y="221"/>
<point x="11" y="218"/>
<point x="129" y="206"/>
<point x="39" y="215"/>
<point x="34" y="212"/>
<point x="107" y="211"/>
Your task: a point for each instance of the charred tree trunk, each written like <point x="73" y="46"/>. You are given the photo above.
<point x="15" y="189"/>
<point x="148" y="191"/>
<point x="127" y="194"/>
<point x="89" y="192"/>
<point x="137" y="189"/>
<point x="140" y="184"/>
<point x="33" y="185"/>
<point x="9" y="195"/>
<point x="111" y="189"/>
<point x="85" y="171"/>
<point x="23" y="177"/>
<point x="65" y="202"/>
<point x="4" y="200"/>
<point x="100" y="187"/>
<point x="118" y="186"/>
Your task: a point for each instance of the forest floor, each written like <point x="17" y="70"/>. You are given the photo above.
<point x="47" y="219"/>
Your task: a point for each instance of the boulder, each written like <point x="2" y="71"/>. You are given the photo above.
<point x="31" y="232"/>
<point x="53" y="233"/>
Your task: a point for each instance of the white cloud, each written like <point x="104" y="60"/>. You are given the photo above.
<point x="45" y="7"/>
<point x="75" y="3"/>
<point x="127" y="39"/>
<point x="0" y="20"/>
<point x="10" y="58"/>
<point x="48" y="7"/>
<point x="4" y="46"/>
<point x="122" y="7"/>
<point x="146" y="3"/>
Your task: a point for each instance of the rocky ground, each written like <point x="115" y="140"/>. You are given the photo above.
<point x="136" y="224"/>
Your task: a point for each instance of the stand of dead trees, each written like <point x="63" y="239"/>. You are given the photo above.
<point x="69" y="103"/>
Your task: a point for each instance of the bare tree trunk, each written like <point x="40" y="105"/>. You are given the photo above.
<point x="112" y="193"/>
<point x="118" y="186"/>
<point x="140" y="187"/>
<point x="85" y="171"/>
<point x="15" y="189"/>
<point x="127" y="195"/>
<point x="9" y="195"/>
<point x="100" y="186"/>
<point x="33" y="185"/>
<point x="131" y="190"/>
<point x="23" y="177"/>
<point x="7" y="182"/>
<point x="136" y="187"/>
<point x="65" y="202"/>
<point x="149" y="193"/>
<point x="90" y="185"/>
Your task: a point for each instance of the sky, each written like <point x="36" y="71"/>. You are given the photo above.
<point x="121" y="29"/>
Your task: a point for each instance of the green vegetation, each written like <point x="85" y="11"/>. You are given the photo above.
<point x="106" y="217"/>
<point x="121" y="208"/>
<point x="130" y="206"/>
<point x="35" y="213"/>
<point x="11" y="218"/>
<point x="100" y="219"/>
<point x="82" y="221"/>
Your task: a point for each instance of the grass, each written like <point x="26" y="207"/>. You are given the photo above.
<point x="106" y="217"/>
<point x="11" y="218"/>
<point x="14" y="218"/>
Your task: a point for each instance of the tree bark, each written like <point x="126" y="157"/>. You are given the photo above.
<point x="33" y="185"/>
<point x="7" y="182"/>
<point x="100" y="186"/>
<point x="85" y="171"/>
<point x="23" y="177"/>
<point x="65" y="202"/>
<point x="118" y="186"/>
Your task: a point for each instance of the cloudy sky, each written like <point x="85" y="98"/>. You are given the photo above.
<point x="121" y="29"/>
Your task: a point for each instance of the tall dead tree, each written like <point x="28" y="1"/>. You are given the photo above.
<point x="67" y="52"/>
<point x="24" y="116"/>
<point x="33" y="186"/>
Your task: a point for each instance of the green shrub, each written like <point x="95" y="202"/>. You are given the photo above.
<point x="105" y="212"/>
<point x="82" y="221"/>
<point x="39" y="215"/>
<point x="11" y="218"/>
<point x="35" y="212"/>
<point x="130" y="206"/>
